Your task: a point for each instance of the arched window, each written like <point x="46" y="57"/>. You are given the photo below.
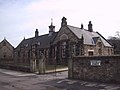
<point x="74" y="49"/>
<point x="63" y="49"/>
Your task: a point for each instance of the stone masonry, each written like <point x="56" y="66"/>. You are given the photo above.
<point x="95" y="68"/>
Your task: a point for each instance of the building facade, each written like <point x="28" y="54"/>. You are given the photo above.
<point x="58" y="47"/>
<point x="6" y="51"/>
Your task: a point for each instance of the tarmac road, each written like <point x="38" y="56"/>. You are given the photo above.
<point x="14" y="80"/>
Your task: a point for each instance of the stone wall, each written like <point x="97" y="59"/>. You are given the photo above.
<point x="95" y="68"/>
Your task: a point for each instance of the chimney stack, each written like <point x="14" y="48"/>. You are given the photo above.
<point x="64" y="22"/>
<point x="36" y="33"/>
<point x="90" y="27"/>
<point x="82" y="26"/>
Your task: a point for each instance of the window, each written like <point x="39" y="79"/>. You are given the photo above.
<point x="99" y="44"/>
<point x="33" y="46"/>
<point x="4" y="55"/>
<point x="100" y="51"/>
<point x="26" y="45"/>
<point x="55" y="52"/>
<point x="38" y="43"/>
<point x="29" y="54"/>
<point x="18" y="53"/>
<point x="74" y="49"/>
<point x="78" y="47"/>
<point x="63" y="49"/>
<point x="90" y="53"/>
<point x="47" y="53"/>
<point x="111" y="51"/>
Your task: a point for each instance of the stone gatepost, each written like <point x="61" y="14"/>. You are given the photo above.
<point x="70" y="61"/>
<point x="42" y="64"/>
<point x="70" y="67"/>
<point x="33" y="63"/>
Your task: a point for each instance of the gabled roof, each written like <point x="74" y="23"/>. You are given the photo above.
<point x="7" y="44"/>
<point x="89" y="37"/>
<point x="42" y="41"/>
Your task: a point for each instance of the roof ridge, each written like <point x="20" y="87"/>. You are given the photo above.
<point x="80" y="28"/>
<point x="7" y="42"/>
<point x="6" y="45"/>
<point x="37" y="37"/>
<point x="73" y="26"/>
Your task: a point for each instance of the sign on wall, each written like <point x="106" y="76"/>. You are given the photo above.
<point x="95" y="62"/>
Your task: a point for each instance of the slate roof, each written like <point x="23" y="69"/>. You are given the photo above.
<point x="42" y="41"/>
<point x="90" y="38"/>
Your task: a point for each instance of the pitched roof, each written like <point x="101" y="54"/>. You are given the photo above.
<point x="7" y="44"/>
<point x="89" y="37"/>
<point x="42" y="41"/>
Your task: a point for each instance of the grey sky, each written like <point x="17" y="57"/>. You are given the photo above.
<point x="20" y="18"/>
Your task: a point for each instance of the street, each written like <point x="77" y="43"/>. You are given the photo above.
<point x="15" y="80"/>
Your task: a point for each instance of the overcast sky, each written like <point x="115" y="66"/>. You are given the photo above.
<point x="20" y="18"/>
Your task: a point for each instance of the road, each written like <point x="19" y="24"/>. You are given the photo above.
<point x="14" y="80"/>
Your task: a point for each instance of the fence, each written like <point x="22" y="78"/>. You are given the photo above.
<point x="10" y="64"/>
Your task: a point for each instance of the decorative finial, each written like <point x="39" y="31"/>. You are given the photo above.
<point x="64" y="21"/>
<point x="51" y="27"/>
<point x="51" y="21"/>
<point x="82" y="26"/>
<point x="4" y="38"/>
<point x="36" y="33"/>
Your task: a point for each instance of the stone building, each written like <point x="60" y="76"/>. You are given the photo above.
<point x="32" y="48"/>
<point x="6" y="51"/>
<point x="84" y="42"/>
<point x="57" y="47"/>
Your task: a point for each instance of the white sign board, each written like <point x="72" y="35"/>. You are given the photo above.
<point x="95" y="62"/>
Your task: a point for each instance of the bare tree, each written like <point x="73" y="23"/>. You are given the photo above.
<point x="116" y="36"/>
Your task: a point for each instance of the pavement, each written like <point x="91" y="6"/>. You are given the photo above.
<point x="57" y="70"/>
<point x="15" y="80"/>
